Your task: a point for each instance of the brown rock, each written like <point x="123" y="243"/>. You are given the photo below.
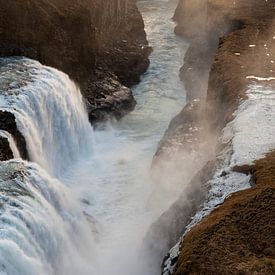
<point x="80" y="37"/>
<point x="238" y="237"/>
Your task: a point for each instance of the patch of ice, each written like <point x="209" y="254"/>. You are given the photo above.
<point x="170" y="263"/>
<point x="260" y="78"/>
<point x="252" y="131"/>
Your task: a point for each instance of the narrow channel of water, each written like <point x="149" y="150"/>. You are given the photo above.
<point x="120" y="187"/>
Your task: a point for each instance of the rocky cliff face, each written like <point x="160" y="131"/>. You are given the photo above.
<point x="100" y="44"/>
<point x="232" y="51"/>
<point x="88" y="39"/>
<point x="238" y="237"/>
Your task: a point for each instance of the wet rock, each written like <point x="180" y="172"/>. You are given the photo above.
<point x="227" y="241"/>
<point x="8" y="123"/>
<point x="109" y="98"/>
<point x="5" y="151"/>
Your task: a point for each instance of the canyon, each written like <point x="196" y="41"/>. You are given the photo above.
<point x="132" y="145"/>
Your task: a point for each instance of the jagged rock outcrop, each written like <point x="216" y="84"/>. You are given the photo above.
<point x="100" y="44"/>
<point x="84" y="38"/>
<point x="109" y="99"/>
<point x="203" y="27"/>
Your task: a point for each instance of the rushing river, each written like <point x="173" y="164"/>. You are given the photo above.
<point x="123" y="154"/>
<point x="103" y="173"/>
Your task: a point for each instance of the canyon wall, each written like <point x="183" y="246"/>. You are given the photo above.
<point x="230" y="62"/>
<point x="100" y="44"/>
<point x="228" y="241"/>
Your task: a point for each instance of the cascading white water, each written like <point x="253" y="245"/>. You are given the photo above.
<point x="49" y="112"/>
<point x="41" y="230"/>
<point x="108" y="170"/>
<point x="119" y="189"/>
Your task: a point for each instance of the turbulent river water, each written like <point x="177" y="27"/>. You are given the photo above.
<point x="87" y="200"/>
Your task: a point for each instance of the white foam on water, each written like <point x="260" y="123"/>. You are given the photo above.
<point x="42" y="231"/>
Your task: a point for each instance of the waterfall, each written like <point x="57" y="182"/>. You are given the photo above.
<point x="49" y="112"/>
<point x="43" y="229"/>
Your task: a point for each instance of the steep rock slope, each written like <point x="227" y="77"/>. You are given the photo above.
<point x="232" y="51"/>
<point x="238" y="237"/>
<point x="101" y="45"/>
<point x="228" y="240"/>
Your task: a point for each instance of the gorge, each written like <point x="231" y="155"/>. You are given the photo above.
<point x="107" y="170"/>
<point x="128" y="147"/>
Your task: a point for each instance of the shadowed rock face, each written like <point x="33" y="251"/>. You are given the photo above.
<point x="83" y="38"/>
<point x="8" y="123"/>
<point x="58" y="33"/>
<point x="165" y="232"/>
<point x="109" y="99"/>
<point x="5" y="151"/>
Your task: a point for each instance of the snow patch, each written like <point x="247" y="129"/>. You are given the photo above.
<point x="252" y="131"/>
